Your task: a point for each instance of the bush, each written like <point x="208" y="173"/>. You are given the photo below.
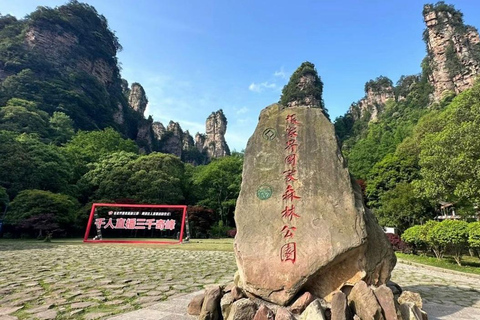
<point x="413" y="237"/>
<point x="396" y="242"/>
<point x="474" y="236"/>
<point x="232" y="233"/>
<point x="200" y="219"/>
<point x="451" y="235"/>
<point x="219" y="230"/>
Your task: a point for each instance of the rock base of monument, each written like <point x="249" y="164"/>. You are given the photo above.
<point x="360" y="302"/>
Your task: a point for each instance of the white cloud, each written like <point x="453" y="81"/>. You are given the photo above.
<point x="259" y="87"/>
<point x="280" y="74"/>
<point x="242" y="110"/>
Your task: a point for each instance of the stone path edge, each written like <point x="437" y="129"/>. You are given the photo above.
<point x="426" y="266"/>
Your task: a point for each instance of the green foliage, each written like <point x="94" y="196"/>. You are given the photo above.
<point x="294" y="91"/>
<point x="219" y="230"/>
<point x="32" y="203"/>
<point x="154" y="178"/>
<point x="413" y="237"/>
<point x="452" y="63"/>
<point x="379" y="85"/>
<point x="452" y="235"/>
<point x="217" y="186"/>
<point x="474" y="234"/>
<point x="62" y="127"/>
<point x="23" y="116"/>
<point x="449" y="153"/>
<point x="4" y="199"/>
<point x="402" y="208"/>
<point x="27" y="163"/>
<point x="89" y="147"/>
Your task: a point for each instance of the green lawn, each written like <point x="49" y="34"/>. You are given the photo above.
<point x="225" y="244"/>
<point x="469" y="264"/>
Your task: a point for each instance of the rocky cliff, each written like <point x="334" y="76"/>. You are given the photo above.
<point x="137" y="98"/>
<point x="213" y="142"/>
<point x="377" y="93"/>
<point x="453" y="59"/>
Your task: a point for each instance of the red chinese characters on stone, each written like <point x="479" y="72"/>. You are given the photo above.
<point x="288" y="231"/>
<point x="289" y="252"/>
<point x="289" y="213"/>
<point x="289" y="194"/>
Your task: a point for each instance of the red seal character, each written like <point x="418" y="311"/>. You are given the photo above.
<point x="289" y="213"/>
<point x="289" y="175"/>
<point x="291" y="132"/>
<point x="291" y="159"/>
<point x="291" y="145"/>
<point x="289" y="252"/>
<point x="292" y="119"/>
<point x="288" y="231"/>
<point x="289" y="194"/>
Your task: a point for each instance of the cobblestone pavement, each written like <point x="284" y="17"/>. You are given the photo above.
<point x="96" y="281"/>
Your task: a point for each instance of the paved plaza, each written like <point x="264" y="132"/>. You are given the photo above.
<point x="50" y="281"/>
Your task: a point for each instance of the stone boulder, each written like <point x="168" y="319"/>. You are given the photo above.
<point x="301" y="222"/>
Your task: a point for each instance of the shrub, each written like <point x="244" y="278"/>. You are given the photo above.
<point x="232" y="233"/>
<point x="413" y="237"/>
<point x="219" y="230"/>
<point x="452" y="235"/>
<point x="396" y="242"/>
<point x="474" y="236"/>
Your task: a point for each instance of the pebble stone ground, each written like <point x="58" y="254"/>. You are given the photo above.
<point x="99" y="281"/>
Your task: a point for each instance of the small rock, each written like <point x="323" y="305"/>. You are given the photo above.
<point x="195" y="305"/>
<point x="284" y="314"/>
<point x="237" y="293"/>
<point x="8" y="317"/>
<point x="314" y="311"/>
<point x="226" y="304"/>
<point x="95" y="315"/>
<point x="264" y="313"/>
<point x="82" y="305"/>
<point x="243" y="309"/>
<point x="340" y="310"/>
<point x="211" y="304"/>
<point x="40" y="308"/>
<point x="363" y="302"/>
<point x="228" y="287"/>
<point x="302" y="303"/>
<point x="46" y="315"/>
<point x="410" y="311"/>
<point x="386" y="300"/>
<point x="7" y="310"/>
<point x="408" y="296"/>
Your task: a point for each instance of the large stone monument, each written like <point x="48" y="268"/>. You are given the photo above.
<point x="306" y="246"/>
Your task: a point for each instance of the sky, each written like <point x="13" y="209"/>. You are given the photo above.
<point x="194" y="57"/>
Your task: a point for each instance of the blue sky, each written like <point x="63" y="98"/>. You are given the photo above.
<point x="195" y="57"/>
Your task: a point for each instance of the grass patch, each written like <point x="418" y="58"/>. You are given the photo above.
<point x="469" y="264"/>
<point x="225" y="244"/>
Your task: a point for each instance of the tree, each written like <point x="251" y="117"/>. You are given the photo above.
<point x="62" y="127"/>
<point x="154" y="178"/>
<point x="452" y="235"/>
<point x="474" y="236"/>
<point x="89" y="147"/>
<point x="30" y="205"/>
<point x="217" y="186"/>
<point x="412" y="236"/>
<point x="449" y="154"/>
<point x="27" y="163"/>
<point x="402" y="208"/>
<point x="305" y="87"/>
<point x="23" y="116"/>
